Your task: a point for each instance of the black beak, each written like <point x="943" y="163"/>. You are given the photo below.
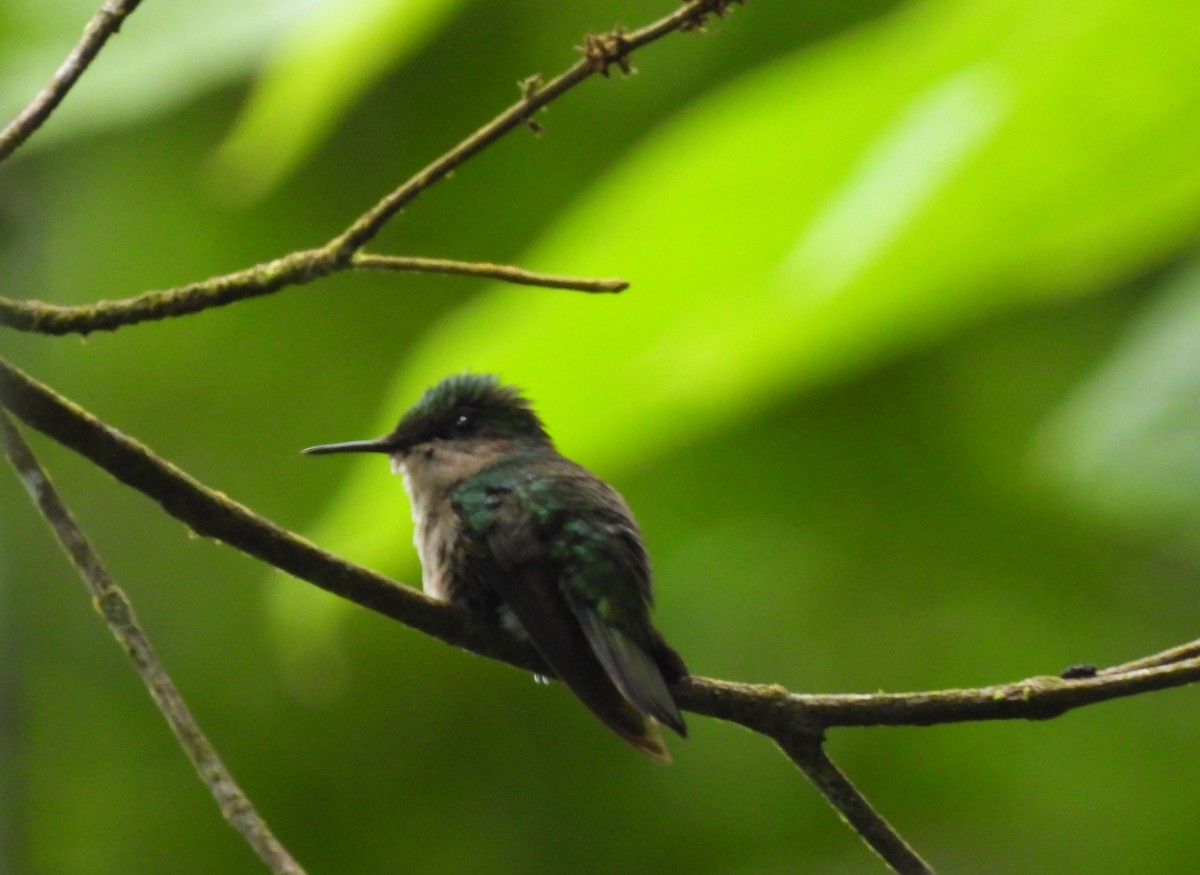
<point x="379" y="445"/>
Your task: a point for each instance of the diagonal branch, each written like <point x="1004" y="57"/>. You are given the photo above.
<point x="212" y="514"/>
<point x="600" y="52"/>
<point x="107" y="21"/>
<point x="808" y="753"/>
<point x="114" y="606"/>
<point x="766" y="708"/>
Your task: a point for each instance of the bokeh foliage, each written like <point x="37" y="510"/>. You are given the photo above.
<point x="904" y="395"/>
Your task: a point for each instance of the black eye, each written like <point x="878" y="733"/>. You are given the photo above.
<point x="464" y="424"/>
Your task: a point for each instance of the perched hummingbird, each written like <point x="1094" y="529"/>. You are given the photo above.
<point x="507" y="526"/>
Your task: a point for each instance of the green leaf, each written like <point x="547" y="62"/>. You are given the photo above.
<point x="830" y="211"/>
<point x="319" y="69"/>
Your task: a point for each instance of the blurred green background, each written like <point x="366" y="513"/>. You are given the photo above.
<point x="906" y="394"/>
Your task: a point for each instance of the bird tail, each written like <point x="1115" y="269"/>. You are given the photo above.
<point x="634" y="672"/>
<point x="588" y="680"/>
<point x="651" y="742"/>
<point x="611" y="674"/>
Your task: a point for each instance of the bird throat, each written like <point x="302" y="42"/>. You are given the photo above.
<point x="431" y="472"/>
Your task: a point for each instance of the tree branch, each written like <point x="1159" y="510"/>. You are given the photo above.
<point x="1182" y="653"/>
<point x="113" y="605"/>
<point x="775" y="711"/>
<point x="107" y="21"/>
<point x="294" y="269"/>
<point x="211" y="514"/>
<point x="796" y="722"/>
<point x="343" y="252"/>
<point x="808" y="753"/>
<point x="766" y="708"/>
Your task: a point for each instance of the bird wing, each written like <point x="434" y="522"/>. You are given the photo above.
<point x="552" y="562"/>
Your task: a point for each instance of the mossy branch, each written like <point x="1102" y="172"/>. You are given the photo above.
<point x="294" y="269"/>
<point x="344" y="252"/>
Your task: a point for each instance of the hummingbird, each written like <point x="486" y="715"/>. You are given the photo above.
<point x="508" y="527"/>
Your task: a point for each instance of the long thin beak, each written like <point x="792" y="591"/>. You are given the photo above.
<point x="379" y="445"/>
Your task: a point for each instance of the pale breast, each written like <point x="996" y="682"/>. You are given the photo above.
<point x="429" y="476"/>
<point x="431" y="472"/>
<point x="433" y="542"/>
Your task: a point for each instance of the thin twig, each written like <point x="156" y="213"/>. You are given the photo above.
<point x="103" y="24"/>
<point x="1182" y="653"/>
<point x="808" y="753"/>
<point x="600" y="52"/>
<point x="484" y="270"/>
<point x="765" y="708"/>
<point x="114" y="606"/>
